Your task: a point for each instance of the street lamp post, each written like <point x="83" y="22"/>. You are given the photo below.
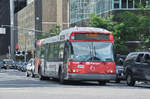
<point x="12" y="30"/>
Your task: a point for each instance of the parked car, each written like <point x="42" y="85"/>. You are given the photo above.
<point x="8" y="64"/>
<point x="119" y="73"/>
<point x="30" y="68"/>
<point x="137" y="67"/>
<point x="21" y="66"/>
<point x="1" y="64"/>
<point x="18" y="65"/>
<point x="24" y="67"/>
<point x="119" y="68"/>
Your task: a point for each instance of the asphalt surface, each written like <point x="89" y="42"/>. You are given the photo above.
<point x="14" y="84"/>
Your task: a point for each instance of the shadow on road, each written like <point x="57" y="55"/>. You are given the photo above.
<point x="17" y="79"/>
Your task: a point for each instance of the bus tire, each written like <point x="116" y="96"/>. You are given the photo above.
<point x="61" y="76"/>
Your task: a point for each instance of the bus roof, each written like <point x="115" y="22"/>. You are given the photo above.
<point x="67" y="32"/>
<point x="78" y="29"/>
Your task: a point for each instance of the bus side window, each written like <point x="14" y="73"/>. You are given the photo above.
<point x="42" y="52"/>
<point x="50" y="52"/>
<point x="56" y="52"/>
<point x="61" y="51"/>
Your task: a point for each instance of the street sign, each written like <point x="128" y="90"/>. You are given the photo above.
<point x="2" y="30"/>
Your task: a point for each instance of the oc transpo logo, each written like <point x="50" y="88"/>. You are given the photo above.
<point x="92" y="68"/>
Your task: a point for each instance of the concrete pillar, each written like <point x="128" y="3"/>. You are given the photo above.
<point x="59" y="13"/>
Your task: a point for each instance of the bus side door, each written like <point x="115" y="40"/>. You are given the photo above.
<point x="66" y="56"/>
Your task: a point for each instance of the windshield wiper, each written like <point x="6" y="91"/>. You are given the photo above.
<point x="90" y="51"/>
<point x="94" y="51"/>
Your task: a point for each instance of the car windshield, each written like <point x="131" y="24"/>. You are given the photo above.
<point x="92" y="51"/>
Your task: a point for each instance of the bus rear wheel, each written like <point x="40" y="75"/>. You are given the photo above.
<point x="61" y="76"/>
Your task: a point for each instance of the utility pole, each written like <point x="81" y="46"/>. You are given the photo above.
<point x="12" y="30"/>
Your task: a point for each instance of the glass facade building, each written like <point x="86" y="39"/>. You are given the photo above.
<point x="4" y="20"/>
<point x="81" y="9"/>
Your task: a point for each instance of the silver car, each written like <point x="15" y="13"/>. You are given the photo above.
<point x="30" y="68"/>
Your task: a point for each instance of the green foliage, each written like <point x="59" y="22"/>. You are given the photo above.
<point x="42" y="36"/>
<point x="98" y="21"/>
<point x="53" y="32"/>
<point x="129" y="26"/>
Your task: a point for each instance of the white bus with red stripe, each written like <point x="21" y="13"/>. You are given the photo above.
<point x="80" y="53"/>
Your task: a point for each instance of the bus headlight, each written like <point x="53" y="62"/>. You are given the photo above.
<point x="110" y="71"/>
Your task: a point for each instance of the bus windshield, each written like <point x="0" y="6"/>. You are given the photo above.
<point x="92" y="51"/>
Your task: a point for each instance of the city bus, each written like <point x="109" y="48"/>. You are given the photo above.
<point x="79" y="53"/>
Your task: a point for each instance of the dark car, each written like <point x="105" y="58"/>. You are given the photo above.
<point x="8" y="64"/>
<point x="137" y="67"/>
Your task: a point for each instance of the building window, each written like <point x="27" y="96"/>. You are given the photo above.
<point x="124" y="3"/>
<point x="143" y="2"/>
<point x="116" y="3"/>
<point x="137" y="2"/>
<point x="130" y="3"/>
<point x="81" y="9"/>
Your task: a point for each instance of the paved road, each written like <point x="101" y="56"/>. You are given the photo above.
<point x="14" y="84"/>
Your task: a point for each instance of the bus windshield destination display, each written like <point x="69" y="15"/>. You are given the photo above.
<point x="91" y="36"/>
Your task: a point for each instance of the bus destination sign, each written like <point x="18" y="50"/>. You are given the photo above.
<point x="91" y="36"/>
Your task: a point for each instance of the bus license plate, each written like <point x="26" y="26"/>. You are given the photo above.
<point x="80" y="66"/>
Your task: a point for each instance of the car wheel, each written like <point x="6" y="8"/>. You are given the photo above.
<point x="130" y="81"/>
<point x="117" y="80"/>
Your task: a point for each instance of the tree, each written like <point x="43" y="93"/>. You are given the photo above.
<point x="129" y="26"/>
<point x="109" y="24"/>
<point x="98" y="21"/>
<point x="53" y="32"/>
<point x="126" y="30"/>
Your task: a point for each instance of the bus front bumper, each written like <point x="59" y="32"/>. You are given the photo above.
<point x="92" y="77"/>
